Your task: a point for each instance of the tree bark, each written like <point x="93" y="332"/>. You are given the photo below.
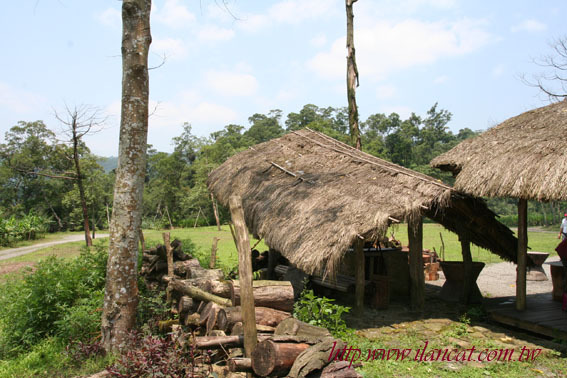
<point x="352" y="78"/>
<point x="80" y="185"/>
<point x="215" y="211"/>
<point x="213" y="260"/>
<point x="294" y="327"/>
<point x="121" y="291"/>
<point x="264" y="316"/>
<point x="272" y="294"/>
<point x="417" y="278"/>
<point x="198" y="294"/>
<point x="275" y="359"/>
<point x="245" y="274"/>
<point x="522" y="254"/>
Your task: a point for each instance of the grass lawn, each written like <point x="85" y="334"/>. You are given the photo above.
<point x="227" y="256"/>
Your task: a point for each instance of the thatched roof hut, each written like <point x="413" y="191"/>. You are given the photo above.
<point x="310" y="197"/>
<point x="523" y="157"/>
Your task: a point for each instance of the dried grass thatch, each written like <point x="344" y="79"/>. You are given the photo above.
<point x="310" y="196"/>
<point x="523" y="157"/>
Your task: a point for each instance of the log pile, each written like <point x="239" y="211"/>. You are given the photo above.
<point x="210" y="318"/>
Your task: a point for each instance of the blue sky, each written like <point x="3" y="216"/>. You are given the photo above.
<point x="223" y="66"/>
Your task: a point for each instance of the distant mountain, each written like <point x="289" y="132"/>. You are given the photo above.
<point x="108" y="163"/>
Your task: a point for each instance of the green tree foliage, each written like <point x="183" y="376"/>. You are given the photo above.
<point x="37" y="174"/>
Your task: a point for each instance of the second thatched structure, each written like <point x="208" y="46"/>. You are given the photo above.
<point x="311" y="197"/>
<point x="524" y="157"/>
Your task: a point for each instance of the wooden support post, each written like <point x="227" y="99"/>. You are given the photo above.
<point x="273" y="257"/>
<point x="522" y="254"/>
<point x="359" y="276"/>
<point x="417" y="278"/>
<point x="467" y="265"/>
<point x="245" y="274"/>
<point x="213" y="260"/>
<point x="170" y="266"/>
<point x="142" y="240"/>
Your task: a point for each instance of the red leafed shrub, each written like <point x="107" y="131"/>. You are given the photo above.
<point x="152" y="356"/>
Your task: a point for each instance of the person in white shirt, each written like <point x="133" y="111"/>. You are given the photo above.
<point x="563" y="229"/>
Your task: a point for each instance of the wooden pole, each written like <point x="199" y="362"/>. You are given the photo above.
<point x="170" y="267"/>
<point x="245" y="275"/>
<point x="467" y="264"/>
<point x="213" y="260"/>
<point x="168" y="218"/>
<point x="417" y="278"/>
<point x="359" y="276"/>
<point x="142" y="240"/>
<point x="522" y="254"/>
<point x="215" y="211"/>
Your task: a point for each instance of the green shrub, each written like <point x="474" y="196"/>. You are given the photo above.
<point x="321" y="311"/>
<point x="38" y="306"/>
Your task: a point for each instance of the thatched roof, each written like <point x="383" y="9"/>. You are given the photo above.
<point x="523" y="157"/>
<point x="310" y="197"/>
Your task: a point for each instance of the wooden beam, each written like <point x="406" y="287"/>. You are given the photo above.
<point x="213" y="260"/>
<point x="359" y="275"/>
<point x="417" y="278"/>
<point x="170" y="267"/>
<point x="522" y="254"/>
<point x="245" y="274"/>
<point x="467" y="265"/>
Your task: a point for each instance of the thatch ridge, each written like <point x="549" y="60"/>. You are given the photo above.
<point x="523" y="157"/>
<point x="310" y="197"/>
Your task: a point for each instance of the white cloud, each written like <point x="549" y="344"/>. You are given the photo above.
<point x="18" y="100"/>
<point x="498" y="70"/>
<point x="386" y="91"/>
<point x="173" y="14"/>
<point x="173" y="49"/>
<point x="387" y="47"/>
<point x="110" y="17"/>
<point x="212" y="33"/>
<point x="529" y="26"/>
<point x="289" y="12"/>
<point x="319" y="40"/>
<point x="296" y="11"/>
<point x="231" y="83"/>
<point x="441" y="79"/>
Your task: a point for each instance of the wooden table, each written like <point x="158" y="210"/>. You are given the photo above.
<point x="536" y="272"/>
<point x="454" y="285"/>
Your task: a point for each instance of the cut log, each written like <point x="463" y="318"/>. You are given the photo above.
<point x="205" y="274"/>
<point x="181" y="268"/>
<point x="198" y="294"/>
<point x="210" y="310"/>
<point x="202" y="342"/>
<point x="273" y="294"/>
<point x="186" y="305"/>
<point x="264" y="316"/>
<point x="238" y="329"/>
<point x="341" y="369"/>
<point x="272" y="358"/>
<point x="218" y="287"/>
<point x="192" y="320"/>
<point x="294" y="327"/>
<point x="240" y="364"/>
<point x="314" y="358"/>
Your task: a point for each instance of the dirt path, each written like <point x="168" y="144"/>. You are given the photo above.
<point x="14" y="252"/>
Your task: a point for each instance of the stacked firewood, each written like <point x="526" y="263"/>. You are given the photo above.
<point x="210" y="319"/>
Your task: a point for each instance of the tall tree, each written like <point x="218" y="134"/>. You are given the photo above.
<point x="352" y="78"/>
<point x="121" y="292"/>
<point x="79" y="122"/>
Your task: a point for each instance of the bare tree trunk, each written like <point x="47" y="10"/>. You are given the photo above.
<point x="88" y="239"/>
<point x="121" y="295"/>
<point x="352" y="79"/>
<point x="215" y="210"/>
